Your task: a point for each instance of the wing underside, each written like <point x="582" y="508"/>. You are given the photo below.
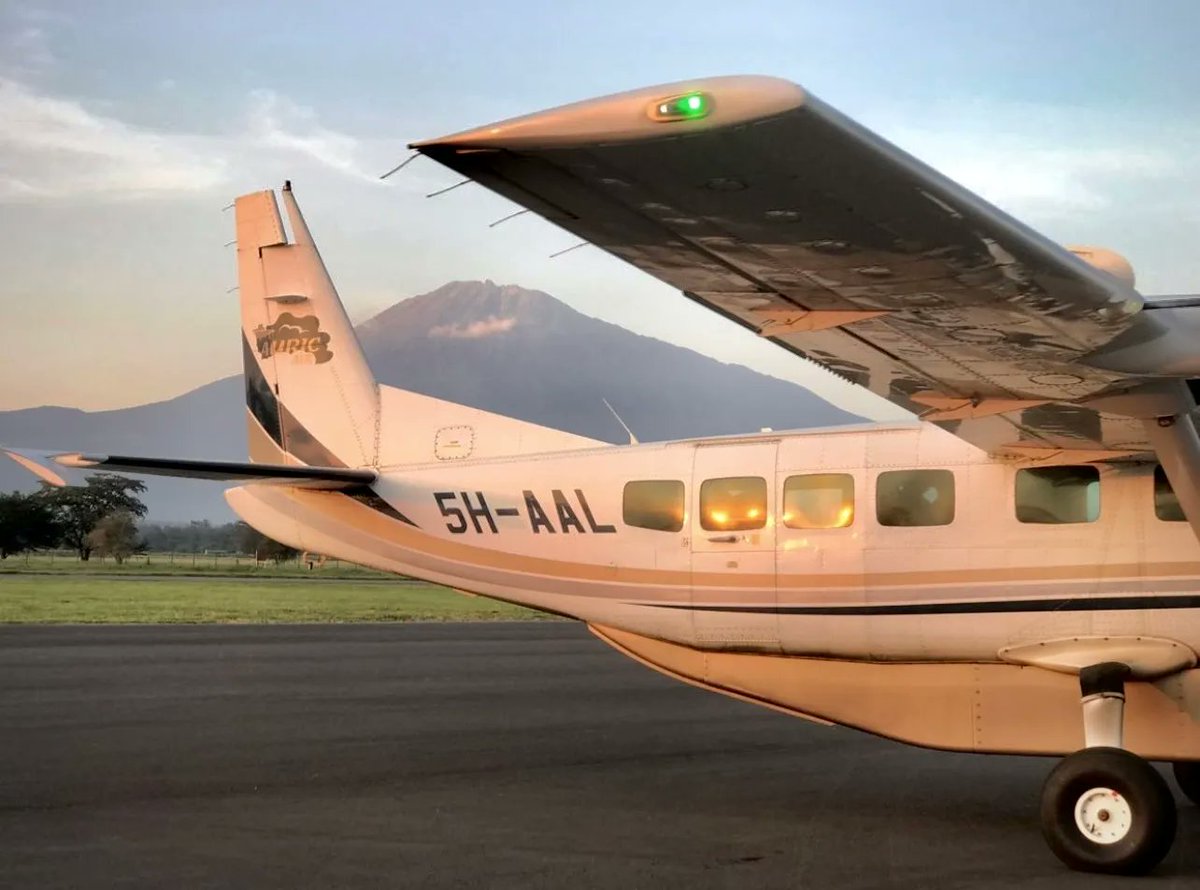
<point x="786" y="217"/>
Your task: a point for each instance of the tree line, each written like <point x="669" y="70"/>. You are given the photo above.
<point x="102" y="518"/>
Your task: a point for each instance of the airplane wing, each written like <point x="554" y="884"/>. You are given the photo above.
<point x="768" y="206"/>
<point x="45" y="466"/>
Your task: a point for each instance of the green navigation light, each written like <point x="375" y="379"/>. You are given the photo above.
<point x="689" y="106"/>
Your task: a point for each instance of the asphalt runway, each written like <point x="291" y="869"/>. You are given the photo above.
<point x="470" y="755"/>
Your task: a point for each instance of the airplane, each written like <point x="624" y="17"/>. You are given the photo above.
<point x="1014" y="571"/>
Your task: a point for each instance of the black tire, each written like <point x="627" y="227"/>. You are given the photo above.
<point x="1187" y="777"/>
<point x="1141" y="792"/>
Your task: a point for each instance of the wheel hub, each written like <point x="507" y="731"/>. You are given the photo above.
<point x="1103" y="816"/>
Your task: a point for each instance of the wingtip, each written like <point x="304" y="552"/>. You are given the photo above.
<point x="41" y="471"/>
<point x="623" y="116"/>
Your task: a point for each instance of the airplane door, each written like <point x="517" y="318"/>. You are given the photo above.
<point x="733" y="546"/>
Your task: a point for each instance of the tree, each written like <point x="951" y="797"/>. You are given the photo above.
<point x="79" y="508"/>
<point x="197" y="536"/>
<point x="250" y="540"/>
<point x="115" y="535"/>
<point x="26" y="523"/>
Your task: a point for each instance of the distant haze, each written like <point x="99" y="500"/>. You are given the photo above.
<point x="501" y="348"/>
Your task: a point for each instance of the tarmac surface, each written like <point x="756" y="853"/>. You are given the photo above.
<point x="470" y="755"/>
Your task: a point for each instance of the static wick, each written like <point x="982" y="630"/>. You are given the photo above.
<point x="569" y="249"/>
<point x="412" y="157"/>
<point x="448" y="188"/>
<point x="232" y="289"/>
<point x="226" y="207"/>
<point x="507" y="218"/>
<point x="231" y="243"/>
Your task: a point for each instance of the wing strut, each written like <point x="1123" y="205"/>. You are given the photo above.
<point x="1176" y="441"/>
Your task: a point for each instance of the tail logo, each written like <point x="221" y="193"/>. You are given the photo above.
<point x="301" y="338"/>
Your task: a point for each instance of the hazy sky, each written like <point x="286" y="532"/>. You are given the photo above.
<point x="125" y="127"/>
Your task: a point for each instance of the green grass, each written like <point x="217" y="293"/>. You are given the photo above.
<point x="54" y="599"/>
<point x="182" y="564"/>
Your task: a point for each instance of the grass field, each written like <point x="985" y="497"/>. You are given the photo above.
<point x="182" y="564"/>
<point x="59" y="599"/>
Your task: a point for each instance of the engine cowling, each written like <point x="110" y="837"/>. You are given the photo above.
<point x="1106" y="260"/>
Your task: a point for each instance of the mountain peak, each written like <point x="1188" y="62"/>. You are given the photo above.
<point x="499" y="347"/>
<point x="467" y="310"/>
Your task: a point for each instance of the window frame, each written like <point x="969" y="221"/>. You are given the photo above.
<point x="1154" y="476"/>
<point x="682" y="503"/>
<point x="1017" y="501"/>
<point x="853" y="503"/>
<point x="765" y="505"/>
<point x="943" y="472"/>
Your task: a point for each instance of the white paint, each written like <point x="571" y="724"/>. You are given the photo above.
<point x="1103" y="816"/>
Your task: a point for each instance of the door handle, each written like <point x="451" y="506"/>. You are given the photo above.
<point x="724" y="539"/>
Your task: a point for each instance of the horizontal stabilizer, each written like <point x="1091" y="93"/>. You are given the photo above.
<point x="326" y="478"/>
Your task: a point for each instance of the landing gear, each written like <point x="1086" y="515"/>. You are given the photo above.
<point x="1187" y="777"/>
<point x="1107" y="810"/>
<point x="1104" y="809"/>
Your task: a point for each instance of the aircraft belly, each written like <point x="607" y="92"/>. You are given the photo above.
<point x="977" y="636"/>
<point x="983" y="708"/>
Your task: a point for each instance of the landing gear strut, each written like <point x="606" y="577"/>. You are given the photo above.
<point x="1104" y="809"/>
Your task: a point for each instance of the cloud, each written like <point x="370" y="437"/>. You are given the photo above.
<point x="56" y="148"/>
<point x="276" y="122"/>
<point x="53" y="148"/>
<point x="25" y="37"/>
<point x="1038" y="161"/>
<point x="26" y="50"/>
<point x="476" y="330"/>
<point x="1042" y="180"/>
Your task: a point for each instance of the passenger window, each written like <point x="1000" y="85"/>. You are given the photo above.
<point x="1166" y="503"/>
<point x="822" y="500"/>
<point x="735" y="504"/>
<point x="915" y="497"/>
<point x="656" y="504"/>
<point x="1058" y="495"/>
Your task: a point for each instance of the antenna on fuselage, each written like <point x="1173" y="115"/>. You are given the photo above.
<point x="632" y="438"/>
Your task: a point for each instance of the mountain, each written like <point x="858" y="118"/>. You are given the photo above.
<point x="502" y="348"/>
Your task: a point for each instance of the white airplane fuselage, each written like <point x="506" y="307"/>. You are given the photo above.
<point x="547" y="530"/>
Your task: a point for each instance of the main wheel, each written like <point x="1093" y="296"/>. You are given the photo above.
<point x="1187" y="777"/>
<point x="1106" y="810"/>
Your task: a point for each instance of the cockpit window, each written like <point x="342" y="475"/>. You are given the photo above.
<point x="1166" y="502"/>
<point x="734" y="504"/>
<point x="656" y="504"/>
<point x="914" y="497"/>
<point x="820" y="500"/>
<point x="1058" y="495"/>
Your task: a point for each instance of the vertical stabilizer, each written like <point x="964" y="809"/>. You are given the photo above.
<point x="310" y="395"/>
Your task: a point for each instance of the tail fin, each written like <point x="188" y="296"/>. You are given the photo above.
<point x="310" y="396"/>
